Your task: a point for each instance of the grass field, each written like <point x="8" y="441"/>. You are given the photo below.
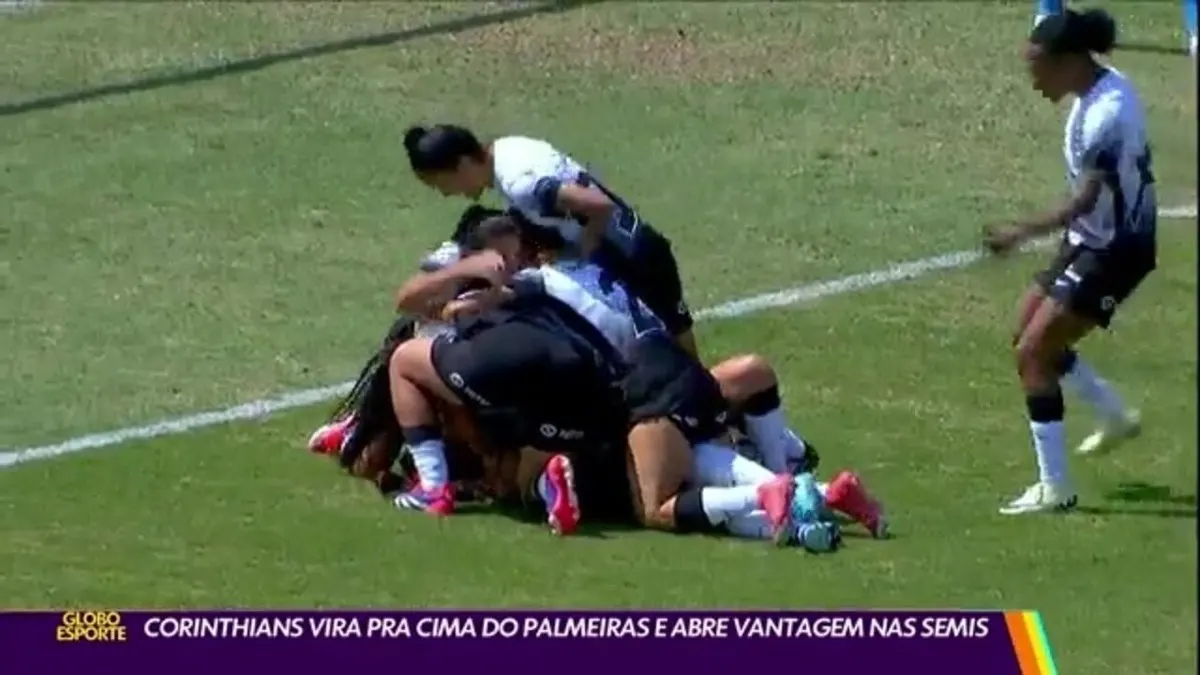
<point x="167" y="249"/>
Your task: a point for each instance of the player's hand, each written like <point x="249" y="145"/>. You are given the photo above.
<point x="467" y="304"/>
<point x="1001" y="239"/>
<point x="489" y="266"/>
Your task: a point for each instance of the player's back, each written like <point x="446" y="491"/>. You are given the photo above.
<point x="598" y="297"/>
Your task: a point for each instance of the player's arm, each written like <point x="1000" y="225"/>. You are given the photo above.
<point x="477" y="302"/>
<point x="589" y="204"/>
<point x="1079" y="203"/>
<point x="1102" y="147"/>
<point x="523" y="282"/>
<point x="426" y="292"/>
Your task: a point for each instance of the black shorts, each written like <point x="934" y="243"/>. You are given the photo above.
<point x="526" y="386"/>
<point x="667" y="382"/>
<point x="653" y="276"/>
<point x="1094" y="282"/>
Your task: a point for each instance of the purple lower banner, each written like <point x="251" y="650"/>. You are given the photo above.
<point x="980" y="642"/>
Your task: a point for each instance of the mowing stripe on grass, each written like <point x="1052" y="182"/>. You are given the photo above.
<point x="306" y="397"/>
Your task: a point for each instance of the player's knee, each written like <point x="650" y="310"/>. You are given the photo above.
<point x="406" y="358"/>
<point x="743" y="376"/>
<point x="1034" y="361"/>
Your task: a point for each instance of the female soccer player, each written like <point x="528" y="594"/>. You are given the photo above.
<point x="1108" y="248"/>
<point x="551" y="190"/>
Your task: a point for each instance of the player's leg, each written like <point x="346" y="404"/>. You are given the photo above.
<point x="482" y="372"/>
<point x="749" y="384"/>
<point x="414" y="380"/>
<point x="676" y="404"/>
<point x="546" y="481"/>
<point x="1083" y="296"/>
<point x="1108" y="278"/>
<point x="716" y="464"/>
<point x="1075" y="375"/>
<point x="1047" y="8"/>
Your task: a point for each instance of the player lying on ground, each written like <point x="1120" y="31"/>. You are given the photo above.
<point x="553" y="192"/>
<point x="1108" y="247"/>
<point x="676" y="409"/>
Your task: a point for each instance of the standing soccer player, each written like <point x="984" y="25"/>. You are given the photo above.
<point x="553" y="191"/>
<point x="1108" y="249"/>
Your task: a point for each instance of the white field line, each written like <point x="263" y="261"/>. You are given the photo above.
<point x="306" y="397"/>
<point x="11" y="6"/>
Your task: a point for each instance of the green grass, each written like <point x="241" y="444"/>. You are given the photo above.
<point x="200" y="245"/>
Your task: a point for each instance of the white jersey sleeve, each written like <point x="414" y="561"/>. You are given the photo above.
<point x="528" y="174"/>
<point x="444" y="255"/>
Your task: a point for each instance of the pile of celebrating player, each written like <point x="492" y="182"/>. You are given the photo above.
<point x="546" y="357"/>
<point x="551" y="360"/>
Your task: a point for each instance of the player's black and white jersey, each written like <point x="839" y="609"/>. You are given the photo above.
<point x="594" y="294"/>
<point x="528" y="174"/>
<point x="1106" y="132"/>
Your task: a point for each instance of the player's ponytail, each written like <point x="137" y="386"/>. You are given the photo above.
<point x="440" y="147"/>
<point x="1097" y="31"/>
<point x="412" y="139"/>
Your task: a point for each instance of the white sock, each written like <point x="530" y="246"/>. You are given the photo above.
<point x="430" y="460"/>
<point x="1095" y="391"/>
<point x="823" y="488"/>
<point x="719" y="465"/>
<point x="1049" y="442"/>
<point x="753" y="525"/>
<point x="769" y="434"/>
<point x="543" y="488"/>
<point x="722" y="504"/>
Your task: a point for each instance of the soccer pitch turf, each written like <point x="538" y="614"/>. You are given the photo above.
<point x="217" y="235"/>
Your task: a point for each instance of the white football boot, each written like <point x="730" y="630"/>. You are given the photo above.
<point x="1040" y="498"/>
<point x="1112" y="434"/>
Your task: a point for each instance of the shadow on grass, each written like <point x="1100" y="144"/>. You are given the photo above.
<point x="262" y="61"/>
<point x="523" y="517"/>
<point x="1145" y="499"/>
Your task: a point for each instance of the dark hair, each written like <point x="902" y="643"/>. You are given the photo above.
<point x="440" y="147"/>
<point x="533" y="238"/>
<point x="1072" y="32"/>
<point x="469" y="222"/>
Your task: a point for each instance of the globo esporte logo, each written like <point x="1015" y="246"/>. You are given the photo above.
<point x="90" y="627"/>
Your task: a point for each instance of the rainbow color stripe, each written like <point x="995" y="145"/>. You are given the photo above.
<point x="1029" y="641"/>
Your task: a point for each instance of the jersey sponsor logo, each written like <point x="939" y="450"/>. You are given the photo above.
<point x="457" y="381"/>
<point x="551" y="431"/>
<point x="686" y="420"/>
